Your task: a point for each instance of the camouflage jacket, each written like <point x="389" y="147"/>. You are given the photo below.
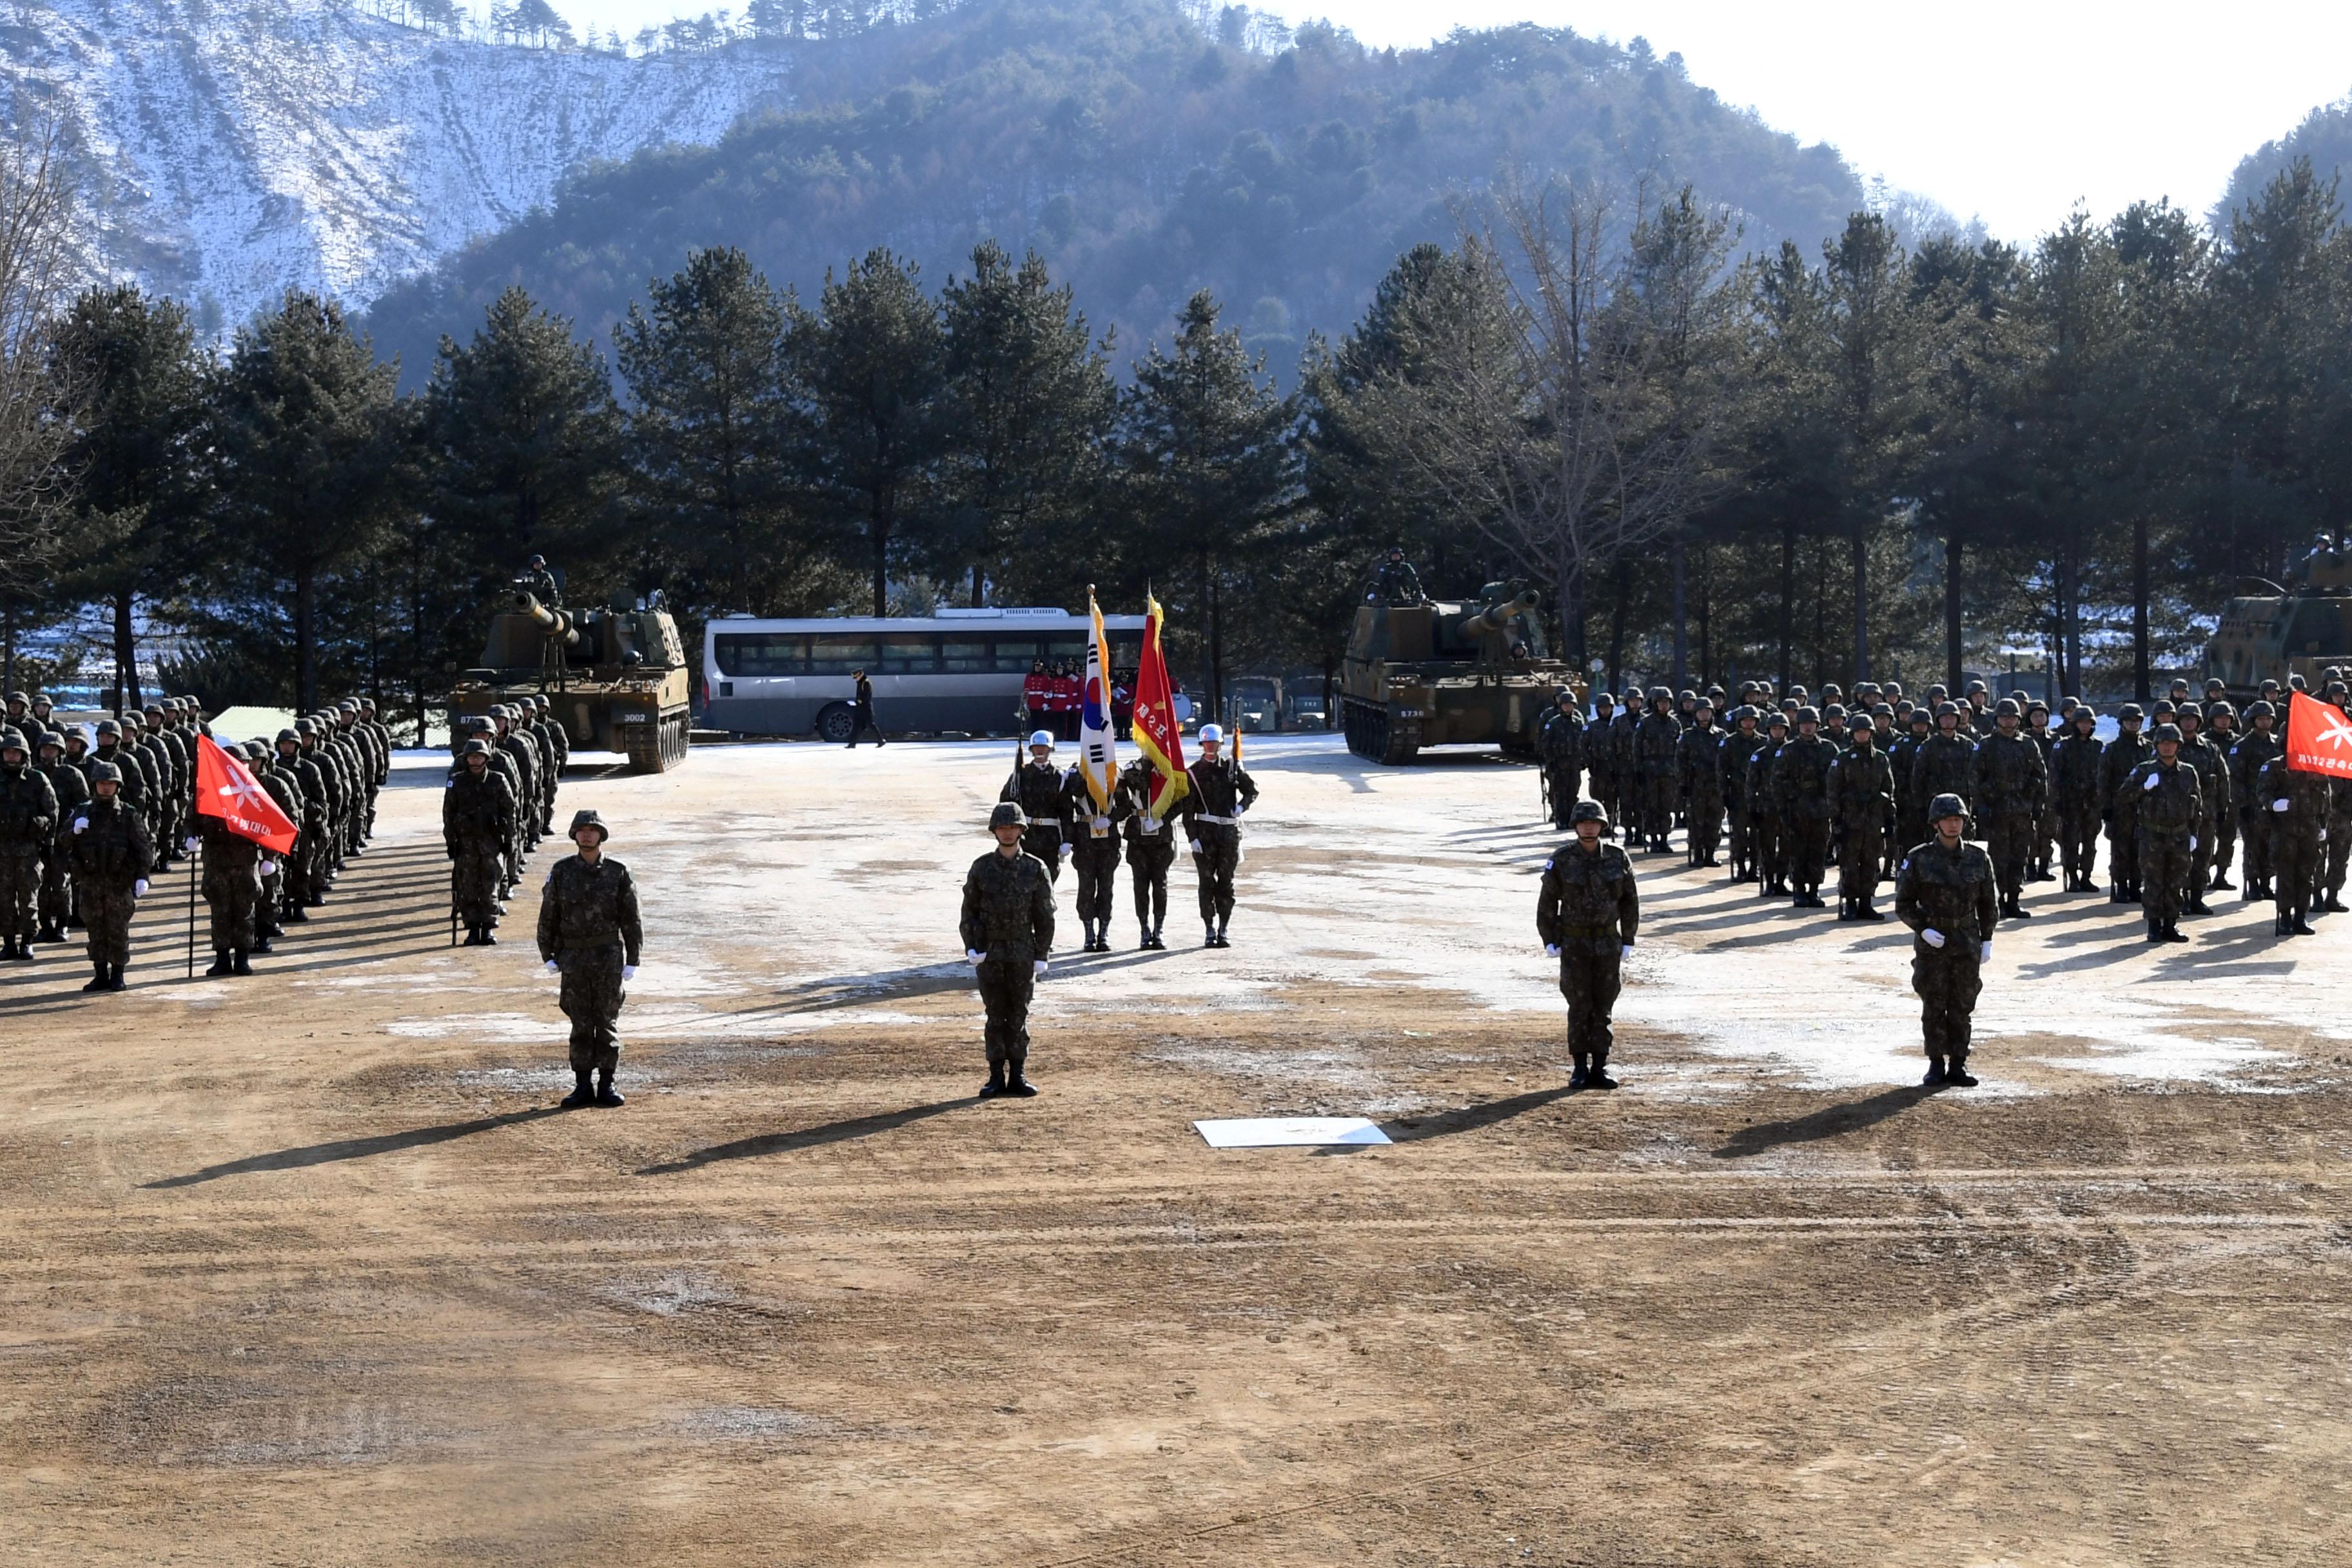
<point x="2075" y="767"/>
<point x="1739" y="748"/>
<point x="1862" y="787"/>
<point x="2306" y="795"/>
<point x="1563" y="740"/>
<point x="1599" y="747"/>
<point x="28" y="810"/>
<point x="1587" y="905"/>
<point x="1008" y="908"/>
<point x="1801" y="779"/>
<point x="1951" y="892"/>
<point x="585" y="907"/>
<point x="1946" y="764"/>
<point x="2165" y="801"/>
<point x="475" y="808"/>
<point x="226" y="851"/>
<point x="106" y="843"/>
<point x="2246" y="759"/>
<point x="2124" y="754"/>
<point x="1657" y="745"/>
<point x="72" y="788"/>
<point x="1702" y="763"/>
<point x="2212" y="776"/>
<point x="1037" y="787"/>
<point x="2010" y="777"/>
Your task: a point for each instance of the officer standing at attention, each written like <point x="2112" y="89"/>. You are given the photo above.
<point x="1219" y="794"/>
<point x="1151" y="848"/>
<point x="1563" y="754"/>
<point x="1801" y="778"/>
<point x="2168" y="809"/>
<point x="1702" y="785"/>
<point x="1008" y="935"/>
<point x="2011" y="786"/>
<point x="1036" y="787"/>
<point x="108" y="844"/>
<point x="477" y="820"/>
<point x="1587" y="913"/>
<point x="589" y="933"/>
<point x="1946" y="893"/>
<point x="1862" y="801"/>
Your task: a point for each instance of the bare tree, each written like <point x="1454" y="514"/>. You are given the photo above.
<point x="38" y="266"/>
<point x="1569" y="391"/>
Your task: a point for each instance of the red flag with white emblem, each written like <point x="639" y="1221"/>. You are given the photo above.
<point x="226" y="790"/>
<point x="2319" y="737"/>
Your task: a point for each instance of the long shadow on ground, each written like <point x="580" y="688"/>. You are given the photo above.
<point x="807" y="1138"/>
<point x="1830" y="1122"/>
<point x="355" y="1148"/>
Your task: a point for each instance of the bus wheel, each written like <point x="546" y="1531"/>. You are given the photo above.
<point x="836" y="723"/>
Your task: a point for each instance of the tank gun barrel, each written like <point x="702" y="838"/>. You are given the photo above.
<point x="1495" y="616"/>
<point x="553" y="623"/>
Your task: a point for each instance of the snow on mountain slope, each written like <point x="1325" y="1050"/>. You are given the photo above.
<point x="228" y="153"/>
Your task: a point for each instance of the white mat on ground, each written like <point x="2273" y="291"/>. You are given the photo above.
<point x="1288" y="1131"/>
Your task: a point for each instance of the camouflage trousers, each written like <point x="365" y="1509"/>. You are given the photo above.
<point x="1006" y="984"/>
<point x="2296" y="859"/>
<point x="1807" y="851"/>
<point x="2078" y="842"/>
<point x="1768" y="839"/>
<point x="474" y="876"/>
<point x="1862" y="860"/>
<point x="1590" y="980"/>
<point x="2339" y="855"/>
<point x="592" y="998"/>
<point x="1661" y="795"/>
<point x="2009" y="838"/>
<point x="1948" y="982"/>
<point x="231" y="893"/>
<point x="2122" y="854"/>
<point x="2256" y="833"/>
<point x="1561" y="777"/>
<point x="106" y="909"/>
<point x="57" y="893"/>
<point x="2225" y="843"/>
<point x="1738" y="838"/>
<point x="1705" y="832"/>
<point x="1215" y="861"/>
<point x="1095" y="860"/>
<point x="1148" y="856"/>
<point x="2164" y="861"/>
<point x="20" y="890"/>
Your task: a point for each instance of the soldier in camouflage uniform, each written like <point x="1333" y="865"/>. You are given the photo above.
<point x="1008" y="935"/>
<point x="2124" y="754"/>
<point x="28" y="824"/>
<point x="308" y="786"/>
<point x="1094" y="856"/>
<point x="1600" y="752"/>
<point x="1801" y="775"/>
<point x="529" y="766"/>
<point x="589" y="933"/>
<point x="2045" y="816"/>
<point x="1587" y="913"/>
<point x="2010" y="790"/>
<point x="2221" y="734"/>
<point x="106" y="843"/>
<point x="276" y="783"/>
<point x="1657" y="760"/>
<point x="1903" y="757"/>
<point x="1035" y="787"/>
<point x="2167" y="811"/>
<point x="232" y="889"/>
<point x="1150" y="847"/>
<point x="71" y="788"/>
<point x="2214" y="804"/>
<point x="1946" y="762"/>
<point x="2256" y="747"/>
<point x="1562" y="745"/>
<point x="1739" y="748"/>
<point x="2295" y="805"/>
<point x="1701" y="750"/>
<point x="1767" y="819"/>
<point x="2075" y="775"/>
<point x="1945" y="893"/>
<point x="1862" y="801"/>
<point x="476" y="824"/>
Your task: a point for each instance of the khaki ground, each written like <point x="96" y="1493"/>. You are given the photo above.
<point x="306" y="1269"/>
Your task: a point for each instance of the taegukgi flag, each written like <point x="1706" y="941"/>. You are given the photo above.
<point x="226" y="790"/>
<point x="2319" y="737"/>
<point x="1098" y="742"/>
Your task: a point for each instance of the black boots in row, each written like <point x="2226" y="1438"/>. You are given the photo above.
<point x="1005" y="1081"/>
<point x="228" y="961"/>
<point x="601" y="1093"/>
<point x="1950" y="1071"/>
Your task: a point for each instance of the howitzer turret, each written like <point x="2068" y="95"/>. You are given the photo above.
<point x="1440" y="673"/>
<point x="614" y="678"/>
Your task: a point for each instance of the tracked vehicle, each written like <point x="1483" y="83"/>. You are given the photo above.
<point x="616" y="680"/>
<point x="2267" y="632"/>
<point x="1445" y="673"/>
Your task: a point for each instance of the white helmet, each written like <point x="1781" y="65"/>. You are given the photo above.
<point x="1041" y="738"/>
<point x="1212" y="733"/>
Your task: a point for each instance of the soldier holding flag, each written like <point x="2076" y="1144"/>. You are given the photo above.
<point x="236" y="822"/>
<point x="1090" y="792"/>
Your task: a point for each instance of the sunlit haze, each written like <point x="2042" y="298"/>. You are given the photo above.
<point x="2009" y="112"/>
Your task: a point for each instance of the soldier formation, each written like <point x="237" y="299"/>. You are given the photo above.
<point x="1890" y="789"/>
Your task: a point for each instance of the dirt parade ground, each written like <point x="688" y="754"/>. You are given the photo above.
<point x="309" y="1268"/>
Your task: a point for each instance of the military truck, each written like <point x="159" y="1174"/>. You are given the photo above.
<point x="2267" y="632"/>
<point x="614" y="678"/>
<point x="1440" y="673"/>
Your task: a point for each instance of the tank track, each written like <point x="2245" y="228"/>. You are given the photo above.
<point x="657" y="747"/>
<point x="1376" y="736"/>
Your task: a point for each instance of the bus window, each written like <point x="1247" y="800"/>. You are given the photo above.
<point x="1016" y="655"/>
<point x="1069" y="647"/>
<point x="964" y="657"/>
<point x="838" y="653"/>
<point x="752" y="655"/>
<point x="916" y="655"/>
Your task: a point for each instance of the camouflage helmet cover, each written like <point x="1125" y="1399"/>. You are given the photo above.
<point x="1947" y="804"/>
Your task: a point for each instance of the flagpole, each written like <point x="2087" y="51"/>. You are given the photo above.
<point x="194" y="861"/>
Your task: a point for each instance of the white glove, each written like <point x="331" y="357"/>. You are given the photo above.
<point x="628" y="972"/>
<point x="1932" y="937"/>
<point x="1626" y="951"/>
<point x="139" y="889"/>
<point x="1196" y="843"/>
<point x="2153" y="780"/>
<point x="1984" y="952"/>
<point x="82" y="821"/>
<point x="193" y="844"/>
<point x="2323" y="836"/>
<point x="2192" y="843"/>
<point x="1551" y="950"/>
<point x="269" y="867"/>
<point x="1038" y="969"/>
<point x="974" y="958"/>
<point x="553" y="967"/>
<point x="2276" y="805"/>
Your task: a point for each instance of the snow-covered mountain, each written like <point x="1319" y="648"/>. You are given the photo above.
<point x="229" y="151"/>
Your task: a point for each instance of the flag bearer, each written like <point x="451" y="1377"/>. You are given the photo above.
<point x="1213" y="804"/>
<point x="1150" y="847"/>
<point x="1008" y="935"/>
<point x="232" y="886"/>
<point x="1094" y="854"/>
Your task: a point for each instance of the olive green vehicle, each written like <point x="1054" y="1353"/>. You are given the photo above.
<point x="1441" y="674"/>
<point x="2268" y="632"/>
<point x="616" y="680"/>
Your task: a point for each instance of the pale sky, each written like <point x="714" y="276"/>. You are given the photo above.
<point x="2005" y="112"/>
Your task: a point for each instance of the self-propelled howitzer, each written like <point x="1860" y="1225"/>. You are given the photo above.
<point x="614" y="678"/>
<point x="1440" y="673"/>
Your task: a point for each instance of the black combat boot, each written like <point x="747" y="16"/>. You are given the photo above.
<point x="1598" y="1077"/>
<point x="236" y="964"/>
<point x="114" y="977"/>
<point x="1867" y="911"/>
<point x="582" y="1092"/>
<point x="8" y="949"/>
<point x="489" y="937"/>
<point x="2117" y="893"/>
<point x="2173" y="931"/>
<point x="1957" y="1074"/>
<point x="1223" y="940"/>
<point x="1935" y="1072"/>
<point x="2221" y="883"/>
<point x="995" y="1084"/>
<point x="1017" y="1086"/>
<point x="606" y="1095"/>
<point x="296" y="914"/>
<point x="2334" y="906"/>
<point x="2197" y="905"/>
<point x="51" y="933"/>
<point x="2300" y="925"/>
<point x="220" y="963"/>
<point x="1583" y="1073"/>
<point x="99" y="981"/>
<point x="1845" y="908"/>
<point x="261" y="944"/>
<point x="1210" y="939"/>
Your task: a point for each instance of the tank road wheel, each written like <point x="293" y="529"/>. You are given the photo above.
<point x="1401" y="738"/>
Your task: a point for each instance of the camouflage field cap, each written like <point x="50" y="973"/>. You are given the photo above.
<point x="587" y="817"/>
<point x="1947" y="804"/>
<point x="1007" y="813"/>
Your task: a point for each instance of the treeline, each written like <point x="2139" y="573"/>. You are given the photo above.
<point x="1877" y="462"/>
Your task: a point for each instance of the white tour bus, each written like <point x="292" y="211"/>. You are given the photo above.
<point x="961" y="669"/>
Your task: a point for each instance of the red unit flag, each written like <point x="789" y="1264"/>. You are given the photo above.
<point x="226" y="790"/>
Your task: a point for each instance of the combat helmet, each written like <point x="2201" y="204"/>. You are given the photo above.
<point x="1947" y="709"/>
<point x="475" y="746"/>
<point x="12" y="740"/>
<point x="587" y="817"/>
<point x="285" y="735"/>
<point x="1588" y="810"/>
<point x="1809" y="716"/>
<point x="1947" y="804"/>
<point x="104" y="773"/>
<point x="2130" y="713"/>
<point x="1859" y="722"/>
<point x="2260" y="708"/>
<point x="2164" y="733"/>
<point x="1007" y="813"/>
<point x="2007" y="708"/>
